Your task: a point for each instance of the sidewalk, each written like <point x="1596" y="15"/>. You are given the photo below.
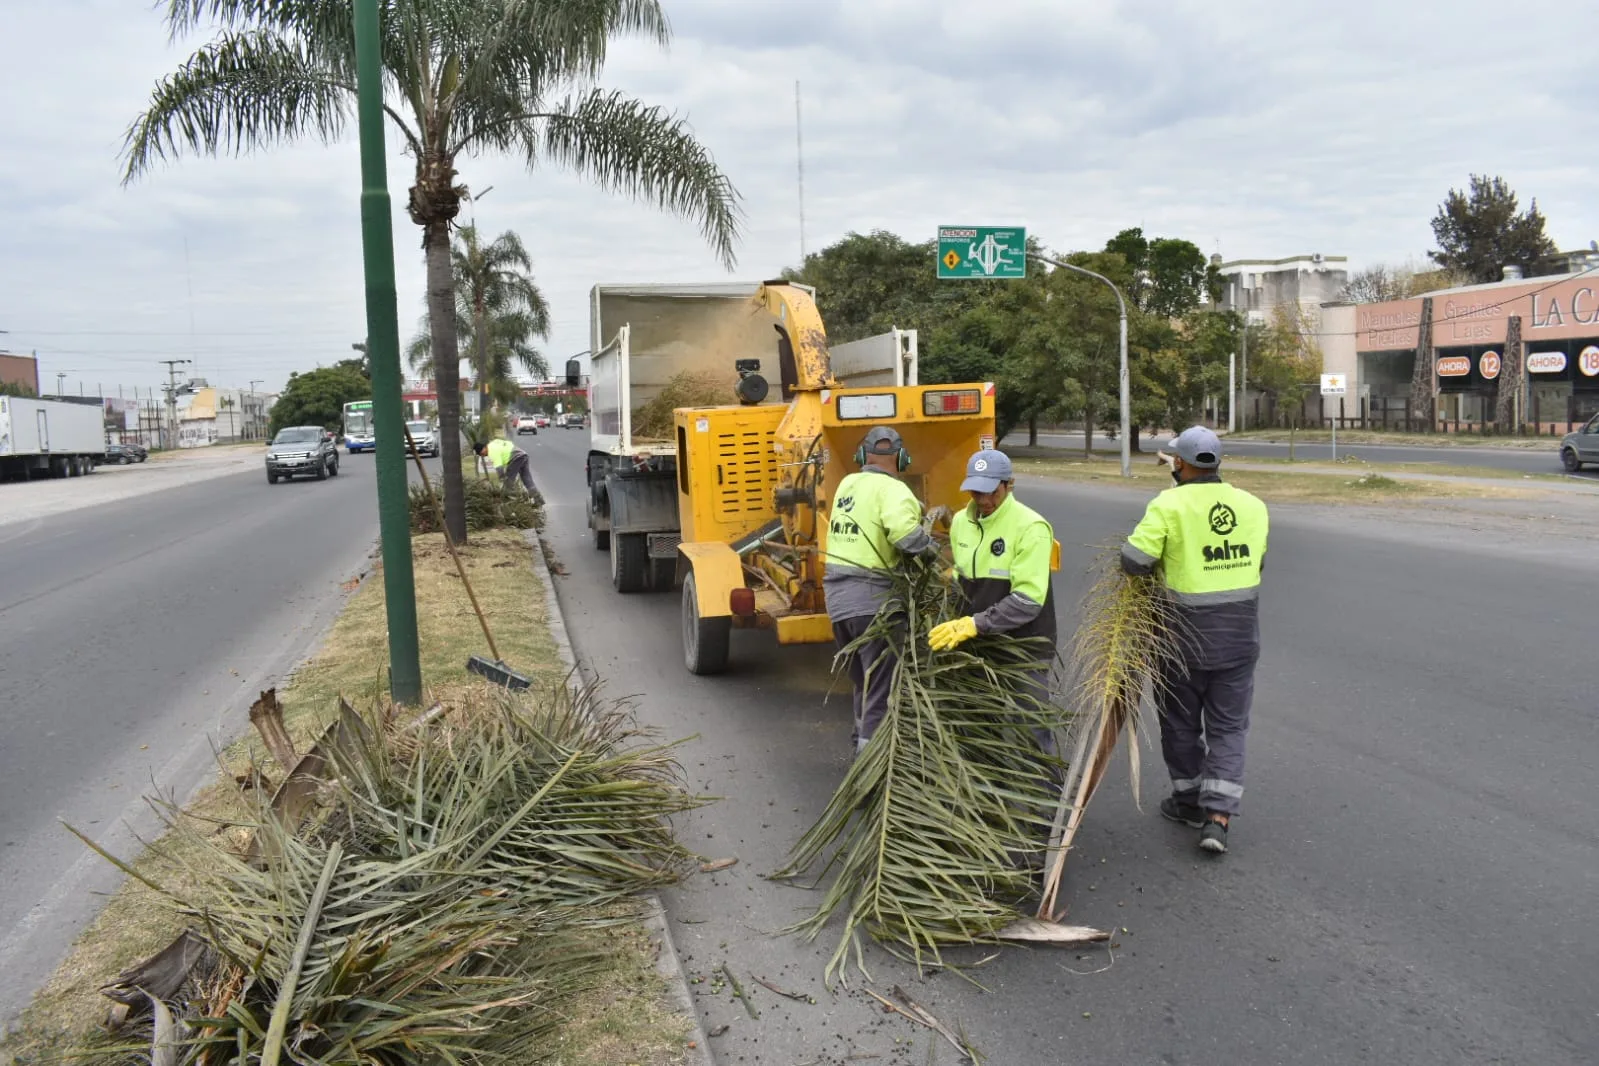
<point x="24" y="501"/>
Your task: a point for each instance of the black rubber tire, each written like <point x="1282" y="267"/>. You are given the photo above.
<point x="602" y="537"/>
<point x="1569" y="460"/>
<point x="322" y="471"/>
<point x="663" y="574"/>
<point x="630" y="562"/>
<point x="272" y="479"/>
<point x="705" y="640"/>
<point x="333" y="468"/>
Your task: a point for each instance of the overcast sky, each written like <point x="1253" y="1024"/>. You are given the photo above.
<point x="1253" y="128"/>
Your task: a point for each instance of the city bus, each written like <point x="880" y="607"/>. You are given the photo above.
<point x="358" y="435"/>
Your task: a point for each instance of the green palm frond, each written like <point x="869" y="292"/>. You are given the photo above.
<point x="644" y="152"/>
<point x="927" y="837"/>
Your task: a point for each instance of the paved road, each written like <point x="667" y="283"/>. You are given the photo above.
<point x="132" y="635"/>
<point x="1528" y="461"/>
<point x="1413" y="880"/>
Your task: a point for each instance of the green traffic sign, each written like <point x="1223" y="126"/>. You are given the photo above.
<point x="982" y="252"/>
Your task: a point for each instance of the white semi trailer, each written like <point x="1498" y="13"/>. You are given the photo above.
<point x="48" y="438"/>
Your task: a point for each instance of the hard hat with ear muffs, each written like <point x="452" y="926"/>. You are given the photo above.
<point x="881" y="440"/>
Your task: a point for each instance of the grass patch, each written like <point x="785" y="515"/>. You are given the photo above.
<point x="1409" y="440"/>
<point x="623" y="1020"/>
<point x="1356" y="465"/>
<point x="1288" y="486"/>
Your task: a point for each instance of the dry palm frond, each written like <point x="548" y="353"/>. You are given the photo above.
<point x="1126" y="633"/>
<point x="691" y="388"/>
<point x="490" y="504"/>
<point x="927" y="836"/>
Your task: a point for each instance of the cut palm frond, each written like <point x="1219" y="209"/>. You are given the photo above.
<point x="1126" y="633"/>
<point x="927" y="838"/>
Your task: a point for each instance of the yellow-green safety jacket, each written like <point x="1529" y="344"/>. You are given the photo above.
<point x="1003" y="565"/>
<point x="874" y="522"/>
<point x="1208" y="539"/>
<point x="500" y="451"/>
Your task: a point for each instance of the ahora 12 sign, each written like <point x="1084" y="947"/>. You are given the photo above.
<point x="1488" y="365"/>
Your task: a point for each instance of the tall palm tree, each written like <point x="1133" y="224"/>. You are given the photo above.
<point x="462" y="77"/>
<point x="498" y="310"/>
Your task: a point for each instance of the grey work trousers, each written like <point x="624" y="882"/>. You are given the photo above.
<point x="871" y="672"/>
<point x="517" y="467"/>
<point x="1204" y="716"/>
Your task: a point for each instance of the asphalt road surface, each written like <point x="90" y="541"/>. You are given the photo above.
<point x="1525" y="460"/>
<point x="133" y="636"/>
<point x="1413" y="879"/>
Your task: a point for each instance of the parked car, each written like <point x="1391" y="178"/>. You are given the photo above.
<point x="119" y="455"/>
<point x="571" y="420"/>
<point x="527" y="424"/>
<point x="1581" y="447"/>
<point x="302" y="451"/>
<point x="140" y="452"/>
<point x="425" y="438"/>
<point x="541" y="421"/>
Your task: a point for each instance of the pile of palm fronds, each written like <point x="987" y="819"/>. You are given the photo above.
<point x="1126" y="635"/>
<point x="691" y="388"/>
<point x="489" y="505"/>
<point x="928" y="839"/>
<point x="430" y="906"/>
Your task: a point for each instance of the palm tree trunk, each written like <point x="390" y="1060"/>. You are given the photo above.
<point x="446" y="372"/>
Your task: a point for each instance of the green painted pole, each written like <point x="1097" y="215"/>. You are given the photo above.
<point x="383" y="352"/>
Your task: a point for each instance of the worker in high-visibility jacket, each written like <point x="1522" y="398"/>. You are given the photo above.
<point x="875" y="523"/>
<point x="509" y="460"/>
<point x="1002" y="551"/>
<point x="1206" y="540"/>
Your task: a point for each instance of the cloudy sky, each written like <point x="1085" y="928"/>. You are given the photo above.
<point x="1254" y="128"/>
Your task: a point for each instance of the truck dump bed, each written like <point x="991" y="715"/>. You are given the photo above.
<point x="644" y="336"/>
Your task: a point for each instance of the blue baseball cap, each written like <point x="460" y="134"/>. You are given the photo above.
<point x="1198" y="446"/>
<point x="985" y="471"/>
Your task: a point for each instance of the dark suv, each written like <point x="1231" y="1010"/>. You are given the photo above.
<point x="298" y="451"/>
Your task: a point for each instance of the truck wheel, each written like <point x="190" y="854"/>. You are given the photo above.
<point x="322" y="470"/>
<point x="333" y="467"/>
<point x="629" y="562"/>
<point x="602" y="537"/>
<point x="272" y="477"/>
<point x="1569" y="460"/>
<point x="705" y="640"/>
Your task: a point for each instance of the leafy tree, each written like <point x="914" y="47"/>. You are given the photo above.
<point x="317" y="397"/>
<point x="462" y="77"/>
<point x="1168" y="276"/>
<point x="1379" y="283"/>
<point x="1482" y="230"/>
<point x="17" y="388"/>
<point x="498" y="311"/>
<point x="1285" y="361"/>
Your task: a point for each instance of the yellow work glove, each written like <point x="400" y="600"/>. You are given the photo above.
<point x="952" y="634"/>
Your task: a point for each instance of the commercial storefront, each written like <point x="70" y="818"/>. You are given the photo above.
<point x="1558" y="319"/>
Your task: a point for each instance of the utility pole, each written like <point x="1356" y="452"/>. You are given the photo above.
<point x="255" y="409"/>
<point x="1243" y="392"/>
<point x="383" y="341"/>
<point x="172" y="398"/>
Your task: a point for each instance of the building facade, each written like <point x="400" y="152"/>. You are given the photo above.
<point x="1258" y="287"/>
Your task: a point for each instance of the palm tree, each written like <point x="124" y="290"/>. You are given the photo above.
<point x="463" y="77"/>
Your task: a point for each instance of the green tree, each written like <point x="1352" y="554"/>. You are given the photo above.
<point x="317" y="397"/>
<point x="1285" y="361"/>
<point x="462" y="77"/>
<point x="1482" y="230"/>
<point x="498" y="311"/>
<point x="17" y="388"/>
<point x="1167" y="276"/>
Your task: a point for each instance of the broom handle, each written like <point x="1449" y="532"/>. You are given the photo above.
<point x="1085" y="789"/>
<point x="449" y="542"/>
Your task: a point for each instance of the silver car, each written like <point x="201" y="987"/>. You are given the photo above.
<point x="1581" y="447"/>
<point x="426" y="438"/>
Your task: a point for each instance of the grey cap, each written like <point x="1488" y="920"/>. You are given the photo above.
<point x="882" y="440"/>
<point x="1198" y="446"/>
<point x="985" y="470"/>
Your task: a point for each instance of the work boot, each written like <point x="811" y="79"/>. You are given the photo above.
<point x="1213" y="837"/>
<point x="1175" y="810"/>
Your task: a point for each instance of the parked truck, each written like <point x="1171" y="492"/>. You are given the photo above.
<point x="48" y="438"/>
<point x="737" y="499"/>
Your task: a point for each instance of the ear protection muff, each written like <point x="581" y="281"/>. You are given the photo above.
<point x="902" y="458"/>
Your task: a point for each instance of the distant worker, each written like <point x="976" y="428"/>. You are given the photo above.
<point x="1206" y="540"/>
<point x="509" y="460"/>
<point x="1003" y="551"/>
<point x="876" y="522"/>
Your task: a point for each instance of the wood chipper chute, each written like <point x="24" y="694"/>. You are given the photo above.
<point x="755" y="482"/>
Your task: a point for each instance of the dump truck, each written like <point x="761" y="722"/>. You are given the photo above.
<point x="49" y="438"/>
<point x="736" y="502"/>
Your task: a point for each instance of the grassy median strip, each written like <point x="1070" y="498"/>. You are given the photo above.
<point x="1363" y="484"/>
<point x="623" y="1016"/>
<point x="1397" y="439"/>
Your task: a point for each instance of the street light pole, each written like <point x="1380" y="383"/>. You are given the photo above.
<point x="1121" y="373"/>
<point x="383" y="339"/>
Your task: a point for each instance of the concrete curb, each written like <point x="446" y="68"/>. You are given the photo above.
<point x="668" y="963"/>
